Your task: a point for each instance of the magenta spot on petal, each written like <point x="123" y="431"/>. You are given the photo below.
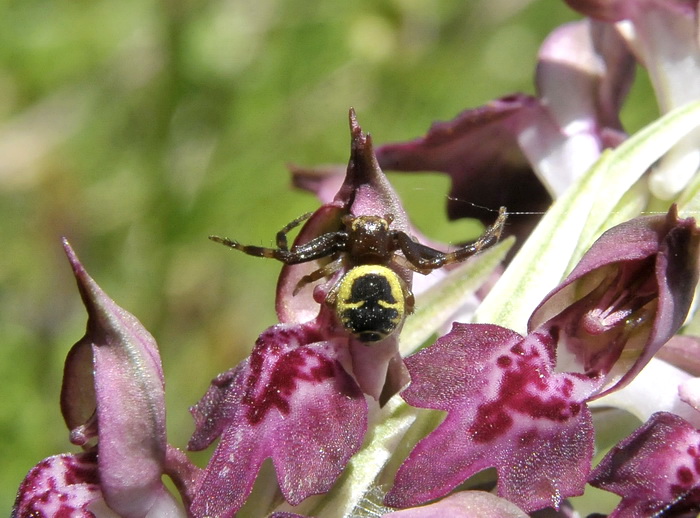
<point x="523" y="390"/>
<point x="677" y="490"/>
<point x="567" y="388"/>
<point x="504" y="361"/>
<point x="491" y="422"/>
<point x="696" y="465"/>
<point x="83" y="471"/>
<point x="65" y="512"/>
<point x="276" y="371"/>
<point x="528" y="438"/>
<point x="685" y="475"/>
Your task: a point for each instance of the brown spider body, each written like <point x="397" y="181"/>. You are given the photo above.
<point x="370" y="300"/>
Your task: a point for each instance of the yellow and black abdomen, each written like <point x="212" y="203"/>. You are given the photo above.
<point x="370" y="302"/>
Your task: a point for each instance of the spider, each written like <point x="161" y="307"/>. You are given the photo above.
<point x="370" y="300"/>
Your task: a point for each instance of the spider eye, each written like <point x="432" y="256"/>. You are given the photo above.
<point x="370" y="302"/>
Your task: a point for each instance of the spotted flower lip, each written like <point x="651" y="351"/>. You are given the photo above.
<point x="506" y="408"/>
<point x="625" y="299"/>
<point x="292" y="401"/>
<point x="113" y="403"/>
<point x="656" y="470"/>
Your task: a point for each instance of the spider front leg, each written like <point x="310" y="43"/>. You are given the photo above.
<point x="282" y="234"/>
<point x="321" y="246"/>
<point x="281" y="253"/>
<point x="424" y="259"/>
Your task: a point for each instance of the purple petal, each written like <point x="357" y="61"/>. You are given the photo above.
<point x="465" y="504"/>
<point x="656" y="470"/>
<point x="630" y="292"/>
<point x="479" y="150"/>
<point x="292" y="401"/>
<point x="114" y="372"/>
<point x="605" y="10"/>
<point x="506" y="409"/>
<point x="618" y="10"/>
<point x="63" y="485"/>
<point x="491" y="152"/>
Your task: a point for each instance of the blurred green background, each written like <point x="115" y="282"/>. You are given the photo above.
<point x="137" y="128"/>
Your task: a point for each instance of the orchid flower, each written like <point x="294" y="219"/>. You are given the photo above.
<point x="113" y="404"/>
<point x="655" y="470"/>
<point x="521" y="151"/>
<point x="514" y="401"/>
<point x="310" y="392"/>
<point x="595" y="311"/>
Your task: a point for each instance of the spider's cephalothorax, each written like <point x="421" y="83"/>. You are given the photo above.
<point x="370" y="300"/>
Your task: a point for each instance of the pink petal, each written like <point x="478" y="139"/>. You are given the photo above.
<point x="291" y="401"/>
<point x="114" y="372"/>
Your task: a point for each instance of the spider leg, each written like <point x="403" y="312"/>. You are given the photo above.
<point x="281" y="254"/>
<point x="424" y="258"/>
<point x="321" y="246"/>
<point x="282" y="234"/>
<point x="324" y="271"/>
